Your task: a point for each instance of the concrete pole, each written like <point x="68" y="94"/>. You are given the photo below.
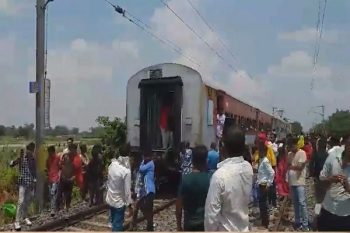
<point x="40" y="98"/>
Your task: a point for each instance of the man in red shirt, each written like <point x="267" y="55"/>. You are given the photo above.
<point x="52" y="166"/>
<point x="164" y="114"/>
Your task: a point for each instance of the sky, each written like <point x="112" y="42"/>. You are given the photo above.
<point x="93" y="51"/>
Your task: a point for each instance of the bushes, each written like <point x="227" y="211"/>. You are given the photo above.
<point x="8" y="179"/>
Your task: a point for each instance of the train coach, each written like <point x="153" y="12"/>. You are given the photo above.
<point x="193" y="104"/>
<point x="194" y="107"/>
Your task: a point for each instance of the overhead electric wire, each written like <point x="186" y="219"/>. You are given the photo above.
<point x="199" y="36"/>
<point x="223" y="44"/>
<point x="321" y="28"/>
<point x="211" y="29"/>
<point x="150" y="28"/>
<point x="146" y="28"/>
<point x="319" y="31"/>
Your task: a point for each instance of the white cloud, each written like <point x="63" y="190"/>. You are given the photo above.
<point x="14" y="7"/>
<point x="85" y="60"/>
<point x="83" y="79"/>
<point x="298" y="64"/>
<point x="8" y="48"/>
<point x="169" y="27"/>
<point x="290" y="83"/>
<point x="309" y="35"/>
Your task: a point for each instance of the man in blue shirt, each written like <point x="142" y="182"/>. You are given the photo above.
<point x="213" y="158"/>
<point x="145" y="191"/>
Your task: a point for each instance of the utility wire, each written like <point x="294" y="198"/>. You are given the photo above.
<point x="211" y="29"/>
<point x="317" y="30"/>
<point x="321" y="28"/>
<point x="319" y="36"/>
<point x="150" y="28"/>
<point x="216" y="34"/>
<point x="199" y="36"/>
<point x="146" y="28"/>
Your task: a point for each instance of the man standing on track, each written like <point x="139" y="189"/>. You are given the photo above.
<point x="26" y="182"/>
<point x="226" y="207"/>
<point x="94" y="175"/>
<point x="193" y="192"/>
<point x="53" y="174"/>
<point x="70" y="142"/>
<point x="272" y="197"/>
<point x="67" y="178"/>
<point x="118" y="193"/>
<point x="213" y="158"/>
<point x="265" y="180"/>
<point x="335" y="212"/>
<point x="145" y="190"/>
<point x="297" y="176"/>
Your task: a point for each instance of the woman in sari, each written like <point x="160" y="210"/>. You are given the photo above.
<point x="282" y="169"/>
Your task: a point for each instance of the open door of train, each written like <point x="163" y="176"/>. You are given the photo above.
<point x="155" y="93"/>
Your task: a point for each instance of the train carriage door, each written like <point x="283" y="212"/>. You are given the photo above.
<point x="153" y="93"/>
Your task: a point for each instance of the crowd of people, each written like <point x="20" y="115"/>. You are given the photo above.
<point x="217" y="188"/>
<point x="63" y="171"/>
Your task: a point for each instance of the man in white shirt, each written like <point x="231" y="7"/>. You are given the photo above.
<point x="226" y="207"/>
<point x="118" y="193"/>
<point x="334" y="144"/>
<point x="335" y="212"/>
<point x="220" y="119"/>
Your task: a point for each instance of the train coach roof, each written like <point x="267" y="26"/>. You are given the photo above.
<point x="206" y="80"/>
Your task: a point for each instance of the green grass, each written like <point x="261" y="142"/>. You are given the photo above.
<point x="4" y="141"/>
<point x="8" y="175"/>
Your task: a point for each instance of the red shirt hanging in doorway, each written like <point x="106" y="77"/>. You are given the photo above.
<point x="164" y="112"/>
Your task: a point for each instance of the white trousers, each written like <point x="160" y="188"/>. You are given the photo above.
<point x="25" y="196"/>
<point x="167" y="138"/>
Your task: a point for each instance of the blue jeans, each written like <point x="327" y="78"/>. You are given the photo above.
<point x="255" y="194"/>
<point x="300" y="207"/>
<point x="117" y="217"/>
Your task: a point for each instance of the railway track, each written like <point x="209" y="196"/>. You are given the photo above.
<point x="282" y="216"/>
<point x="96" y="219"/>
<point x="285" y="217"/>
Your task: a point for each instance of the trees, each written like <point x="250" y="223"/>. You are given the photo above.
<point x="114" y="135"/>
<point x="2" y="130"/>
<point x="296" y="128"/>
<point x="338" y="124"/>
<point x="26" y="131"/>
<point x="74" y="131"/>
<point x="60" y="130"/>
<point x="114" y="131"/>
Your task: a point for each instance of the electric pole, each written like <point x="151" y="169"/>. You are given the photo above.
<point x="40" y="98"/>
<point x="322" y="112"/>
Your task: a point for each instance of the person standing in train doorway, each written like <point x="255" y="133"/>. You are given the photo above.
<point x="164" y="117"/>
<point x="220" y="118"/>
